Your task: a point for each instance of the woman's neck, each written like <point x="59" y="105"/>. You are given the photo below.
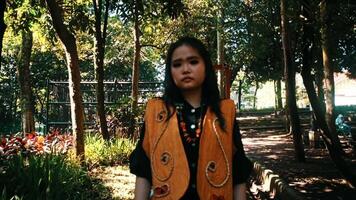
<point x="193" y="97"/>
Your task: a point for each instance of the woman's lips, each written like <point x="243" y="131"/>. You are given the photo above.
<point x="187" y="79"/>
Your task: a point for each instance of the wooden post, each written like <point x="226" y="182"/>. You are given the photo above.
<point x="225" y="72"/>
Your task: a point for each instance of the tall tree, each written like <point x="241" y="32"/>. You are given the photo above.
<point x="22" y="15"/>
<point x="134" y="12"/>
<point x="325" y="31"/>
<point x="137" y="54"/>
<point x="255" y="94"/>
<point x="278" y="94"/>
<point x="100" y="38"/>
<point x="221" y="52"/>
<point x="331" y="140"/>
<point x="289" y="73"/>
<point x="2" y="25"/>
<point x="70" y="47"/>
<point x="23" y="73"/>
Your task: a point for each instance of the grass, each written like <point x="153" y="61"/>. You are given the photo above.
<point x="51" y="176"/>
<point x="101" y="152"/>
<point x="46" y="176"/>
<point x="118" y="179"/>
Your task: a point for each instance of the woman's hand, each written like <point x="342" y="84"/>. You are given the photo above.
<point x="240" y="191"/>
<point x="142" y="188"/>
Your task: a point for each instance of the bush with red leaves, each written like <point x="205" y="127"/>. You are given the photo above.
<point x="33" y="143"/>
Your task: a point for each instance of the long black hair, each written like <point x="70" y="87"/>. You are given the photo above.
<point x="210" y="91"/>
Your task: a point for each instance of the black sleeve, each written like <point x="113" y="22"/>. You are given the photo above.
<point x="241" y="165"/>
<point x="139" y="162"/>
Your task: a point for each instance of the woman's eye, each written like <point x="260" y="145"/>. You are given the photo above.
<point x="194" y="62"/>
<point x="176" y="64"/>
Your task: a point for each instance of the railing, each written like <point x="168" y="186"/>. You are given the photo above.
<point x="58" y="103"/>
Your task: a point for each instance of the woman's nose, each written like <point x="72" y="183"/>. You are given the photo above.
<point x="186" y="68"/>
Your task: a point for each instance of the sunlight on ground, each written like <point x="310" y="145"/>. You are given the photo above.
<point x="273" y="149"/>
<point x="118" y="179"/>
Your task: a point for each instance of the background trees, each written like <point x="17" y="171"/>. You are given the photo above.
<point x="2" y="25"/>
<point x="69" y="43"/>
<point x="289" y="74"/>
<point x="137" y="34"/>
<point x="101" y="13"/>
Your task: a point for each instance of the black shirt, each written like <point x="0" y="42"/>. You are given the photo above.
<point x="140" y="163"/>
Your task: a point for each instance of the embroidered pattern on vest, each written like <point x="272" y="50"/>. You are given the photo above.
<point x="161" y="116"/>
<point x="210" y="167"/>
<point x="161" y="191"/>
<point x="166" y="158"/>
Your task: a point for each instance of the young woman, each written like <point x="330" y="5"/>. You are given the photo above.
<point x="190" y="146"/>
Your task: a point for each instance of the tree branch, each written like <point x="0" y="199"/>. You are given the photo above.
<point x="151" y="45"/>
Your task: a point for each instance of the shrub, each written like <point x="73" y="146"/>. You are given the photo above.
<point x="45" y="176"/>
<point x="121" y="115"/>
<point x="32" y="143"/>
<point x="99" y="151"/>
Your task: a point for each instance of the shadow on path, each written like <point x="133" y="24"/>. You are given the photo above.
<point x="317" y="178"/>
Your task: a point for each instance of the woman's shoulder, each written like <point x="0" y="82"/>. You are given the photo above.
<point x="227" y="102"/>
<point x="155" y="101"/>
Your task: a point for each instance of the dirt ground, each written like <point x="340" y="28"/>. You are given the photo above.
<point x="118" y="179"/>
<point x="317" y="178"/>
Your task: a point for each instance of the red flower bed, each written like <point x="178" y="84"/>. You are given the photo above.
<point x="54" y="142"/>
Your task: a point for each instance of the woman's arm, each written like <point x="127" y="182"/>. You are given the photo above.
<point x="142" y="188"/>
<point x="240" y="191"/>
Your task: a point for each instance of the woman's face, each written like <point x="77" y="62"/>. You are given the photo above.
<point x="187" y="69"/>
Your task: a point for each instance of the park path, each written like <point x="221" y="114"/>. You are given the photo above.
<point x="117" y="179"/>
<point x="316" y="179"/>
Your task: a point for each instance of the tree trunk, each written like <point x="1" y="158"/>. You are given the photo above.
<point x="2" y="26"/>
<point x="234" y="73"/>
<point x="100" y="37"/>
<point x="23" y="72"/>
<point x="319" y="108"/>
<point x="240" y="94"/>
<point x="69" y="43"/>
<point x="135" y="68"/>
<point x="332" y="142"/>
<point x="255" y="95"/>
<point x="319" y="79"/>
<point x="325" y="17"/>
<point x="220" y="55"/>
<point x="279" y="95"/>
<point x="275" y="95"/>
<point x="289" y="73"/>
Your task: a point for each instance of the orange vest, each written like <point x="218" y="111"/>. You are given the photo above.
<point x="170" y="172"/>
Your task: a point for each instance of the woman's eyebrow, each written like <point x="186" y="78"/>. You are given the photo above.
<point x="188" y="58"/>
<point x="192" y="57"/>
<point x="177" y="60"/>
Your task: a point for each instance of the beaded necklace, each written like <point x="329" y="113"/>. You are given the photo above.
<point x="190" y="137"/>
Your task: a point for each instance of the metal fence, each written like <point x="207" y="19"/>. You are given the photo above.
<point x="58" y="104"/>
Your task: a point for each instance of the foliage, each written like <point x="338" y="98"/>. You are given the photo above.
<point x="343" y="22"/>
<point x="9" y="118"/>
<point x="32" y="143"/>
<point x="119" y="114"/>
<point x="251" y="35"/>
<point x="45" y="176"/>
<point x="43" y="167"/>
<point x="101" y="152"/>
<point x="97" y="150"/>
<point x="253" y="30"/>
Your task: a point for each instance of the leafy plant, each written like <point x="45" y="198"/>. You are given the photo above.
<point x="55" y="142"/>
<point x="119" y="117"/>
<point x="45" y="176"/>
<point x="101" y="152"/>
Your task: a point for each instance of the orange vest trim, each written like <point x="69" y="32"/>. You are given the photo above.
<point x="170" y="171"/>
